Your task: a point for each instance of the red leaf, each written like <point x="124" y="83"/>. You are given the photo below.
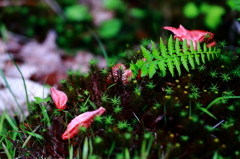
<point x="84" y="120"/>
<point x="60" y="98"/>
<point x="195" y="35"/>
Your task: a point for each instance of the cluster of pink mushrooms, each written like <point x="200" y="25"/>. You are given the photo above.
<point x="60" y="98"/>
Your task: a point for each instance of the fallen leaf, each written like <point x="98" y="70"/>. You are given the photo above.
<point x="191" y="35"/>
<point x="7" y="101"/>
<point x="84" y="120"/>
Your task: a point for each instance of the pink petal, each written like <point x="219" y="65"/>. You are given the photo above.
<point x="60" y="98"/>
<point x="84" y="119"/>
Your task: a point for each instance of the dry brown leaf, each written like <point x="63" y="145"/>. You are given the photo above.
<point x="7" y="102"/>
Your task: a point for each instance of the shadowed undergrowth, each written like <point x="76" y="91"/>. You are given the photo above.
<point x="195" y="115"/>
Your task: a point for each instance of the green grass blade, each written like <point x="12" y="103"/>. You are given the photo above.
<point x="207" y="112"/>
<point x="143" y="149"/>
<point x="111" y="149"/>
<point x="215" y="101"/>
<point x="85" y="149"/>
<point x="10" y="122"/>
<point x="215" y="155"/>
<point x="6" y="151"/>
<point x="90" y="147"/>
<point x="24" y="83"/>
<point x="9" y="88"/>
<point x="45" y="115"/>
<point x="127" y="154"/>
<point x="29" y="137"/>
<point x="149" y="146"/>
<point x="101" y="45"/>
<point x="1" y="122"/>
<point x="70" y="152"/>
<point x="35" y="135"/>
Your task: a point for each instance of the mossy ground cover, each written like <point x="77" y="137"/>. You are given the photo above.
<point x="195" y="115"/>
<point x="189" y="110"/>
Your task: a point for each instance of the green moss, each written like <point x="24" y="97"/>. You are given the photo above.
<point x="192" y="115"/>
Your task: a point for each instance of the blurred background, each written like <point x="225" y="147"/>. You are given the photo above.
<point x="117" y="23"/>
<point x="47" y="38"/>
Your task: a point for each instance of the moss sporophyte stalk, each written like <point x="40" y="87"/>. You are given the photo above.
<point x="169" y="99"/>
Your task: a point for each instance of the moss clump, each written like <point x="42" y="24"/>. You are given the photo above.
<point x="146" y="118"/>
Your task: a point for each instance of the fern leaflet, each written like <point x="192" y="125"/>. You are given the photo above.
<point x="172" y="56"/>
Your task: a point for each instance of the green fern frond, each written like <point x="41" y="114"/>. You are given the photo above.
<point x="177" y="46"/>
<point x="185" y="47"/>
<point x="146" y="53"/>
<point x="162" y="67"/>
<point x="184" y="62"/>
<point x="152" y="68"/>
<point x="155" y="52"/>
<point x="163" y="48"/>
<point x="144" y="70"/>
<point x="170" y="65"/>
<point x="171" y="57"/>
<point x="199" y="49"/>
<point x="177" y="64"/>
<point x="170" y="46"/>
